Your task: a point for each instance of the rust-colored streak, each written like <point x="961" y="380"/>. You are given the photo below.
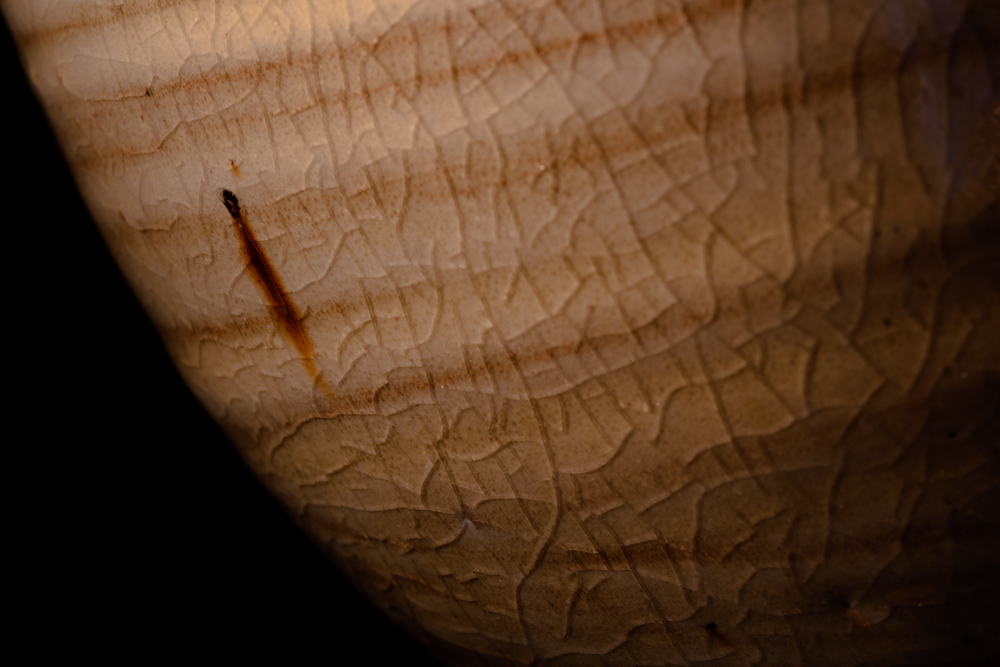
<point x="269" y="282"/>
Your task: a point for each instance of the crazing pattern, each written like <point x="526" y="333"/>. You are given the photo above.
<point x="655" y="332"/>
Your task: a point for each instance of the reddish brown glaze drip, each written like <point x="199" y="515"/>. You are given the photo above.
<point x="269" y="282"/>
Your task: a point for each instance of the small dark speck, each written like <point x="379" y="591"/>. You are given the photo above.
<point x="148" y="93"/>
<point x="232" y="203"/>
<point x="711" y="626"/>
<point x="887" y="322"/>
<point x="953" y="433"/>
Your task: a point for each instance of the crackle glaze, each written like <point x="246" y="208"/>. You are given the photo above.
<point x="578" y="332"/>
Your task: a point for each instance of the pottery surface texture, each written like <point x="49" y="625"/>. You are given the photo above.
<point x="578" y="332"/>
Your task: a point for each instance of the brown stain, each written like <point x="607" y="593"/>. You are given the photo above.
<point x="728" y="109"/>
<point x="236" y="171"/>
<point x="725" y="110"/>
<point x="89" y="17"/>
<point x="682" y="319"/>
<point x="269" y="282"/>
<point x="678" y="317"/>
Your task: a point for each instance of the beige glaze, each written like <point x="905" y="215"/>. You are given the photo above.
<point x="583" y="332"/>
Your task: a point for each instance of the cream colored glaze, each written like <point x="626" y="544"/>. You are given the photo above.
<point x="657" y="331"/>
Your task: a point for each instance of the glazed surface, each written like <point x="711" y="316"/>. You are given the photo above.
<point x="585" y="332"/>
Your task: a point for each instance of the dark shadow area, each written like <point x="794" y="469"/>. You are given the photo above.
<point x="137" y="529"/>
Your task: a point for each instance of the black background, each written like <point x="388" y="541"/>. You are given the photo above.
<point x="135" y="523"/>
